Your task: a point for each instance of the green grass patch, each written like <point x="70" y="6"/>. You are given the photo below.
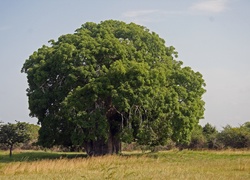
<point x="22" y="156"/>
<point x="130" y="165"/>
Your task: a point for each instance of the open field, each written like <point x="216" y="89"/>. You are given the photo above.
<point x="162" y="165"/>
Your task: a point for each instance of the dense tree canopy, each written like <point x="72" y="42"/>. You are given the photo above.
<point x="112" y="82"/>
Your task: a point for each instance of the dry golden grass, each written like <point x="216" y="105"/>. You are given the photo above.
<point x="163" y="165"/>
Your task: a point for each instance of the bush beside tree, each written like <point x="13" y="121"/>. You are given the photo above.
<point x="13" y="134"/>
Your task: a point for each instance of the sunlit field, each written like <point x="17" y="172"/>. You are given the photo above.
<point x="162" y="165"/>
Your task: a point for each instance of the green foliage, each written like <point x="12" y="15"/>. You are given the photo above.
<point x="246" y="125"/>
<point x="209" y="130"/>
<point x="235" y="137"/>
<point x="32" y="131"/>
<point x="229" y="137"/>
<point x="198" y="140"/>
<point x="210" y="134"/>
<point x="109" y="82"/>
<point x="11" y="134"/>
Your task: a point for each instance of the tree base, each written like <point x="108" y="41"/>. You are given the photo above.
<point x="102" y="147"/>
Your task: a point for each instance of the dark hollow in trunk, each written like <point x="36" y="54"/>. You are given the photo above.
<point x="113" y="144"/>
<point x="101" y="147"/>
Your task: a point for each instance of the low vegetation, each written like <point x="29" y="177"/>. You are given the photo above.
<point x="162" y="165"/>
<point x="230" y="137"/>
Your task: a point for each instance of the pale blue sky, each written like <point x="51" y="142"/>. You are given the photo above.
<point x="211" y="36"/>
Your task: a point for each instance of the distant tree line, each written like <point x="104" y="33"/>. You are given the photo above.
<point x="24" y="136"/>
<point x="207" y="137"/>
<point x="230" y="137"/>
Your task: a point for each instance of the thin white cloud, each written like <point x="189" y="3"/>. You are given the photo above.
<point x="214" y="6"/>
<point x="156" y="15"/>
<point x="150" y="15"/>
<point x="142" y="16"/>
<point x="139" y="13"/>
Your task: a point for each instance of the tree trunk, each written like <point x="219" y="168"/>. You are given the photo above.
<point x="102" y="147"/>
<point x="113" y="144"/>
<point x="11" y="148"/>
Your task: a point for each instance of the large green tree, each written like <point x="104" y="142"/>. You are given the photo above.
<point x="112" y="82"/>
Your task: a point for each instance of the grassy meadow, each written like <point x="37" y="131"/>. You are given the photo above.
<point x="131" y="165"/>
